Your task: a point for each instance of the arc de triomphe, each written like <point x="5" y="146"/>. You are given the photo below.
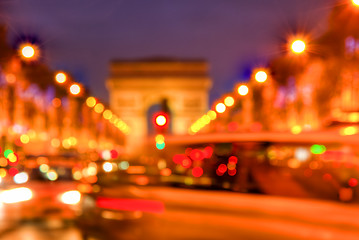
<point x="135" y="86"/>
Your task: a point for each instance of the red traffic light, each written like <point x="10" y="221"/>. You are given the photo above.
<point x="161" y="120"/>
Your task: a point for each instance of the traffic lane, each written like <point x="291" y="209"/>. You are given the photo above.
<point x="301" y="209"/>
<point x="184" y="224"/>
<point x="215" y="215"/>
<point x="42" y="231"/>
<point x="181" y="225"/>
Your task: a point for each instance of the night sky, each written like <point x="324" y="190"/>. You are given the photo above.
<point x="82" y="36"/>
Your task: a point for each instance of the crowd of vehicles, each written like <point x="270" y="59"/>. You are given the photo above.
<point x="94" y="194"/>
<point x="321" y="165"/>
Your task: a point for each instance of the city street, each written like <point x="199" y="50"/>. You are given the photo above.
<point x="179" y="120"/>
<point x="200" y="214"/>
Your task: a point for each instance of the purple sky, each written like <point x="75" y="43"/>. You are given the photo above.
<point x="82" y="36"/>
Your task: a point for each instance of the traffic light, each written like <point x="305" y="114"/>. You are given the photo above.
<point x="161" y="121"/>
<point x="160" y="141"/>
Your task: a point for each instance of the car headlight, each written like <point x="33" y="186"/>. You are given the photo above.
<point x="71" y="197"/>
<point x="16" y="195"/>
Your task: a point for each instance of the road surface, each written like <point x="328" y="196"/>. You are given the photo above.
<point x="202" y="214"/>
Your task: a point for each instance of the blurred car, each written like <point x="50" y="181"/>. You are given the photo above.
<point x="47" y="194"/>
<point x="116" y="197"/>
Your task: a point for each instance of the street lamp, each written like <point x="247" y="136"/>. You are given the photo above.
<point x="60" y="77"/>
<point x="28" y="51"/>
<point x="298" y="46"/>
<point x="99" y="107"/>
<point x="242" y="90"/>
<point x="355" y="3"/>
<point x="220" y="108"/>
<point x="91" y="102"/>
<point x="75" y="89"/>
<point x="261" y="76"/>
<point x="229" y="101"/>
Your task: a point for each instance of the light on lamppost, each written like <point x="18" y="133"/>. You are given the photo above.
<point x="261" y="76"/>
<point x="229" y="101"/>
<point x="75" y="89"/>
<point x="355" y="3"/>
<point x="99" y="108"/>
<point x="91" y="102"/>
<point x="243" y="90"/>
<point x="61" y="77"/>
<point x="220" y="108"/>
<point x="28" y="51"/>
<point x="298" y="46"/>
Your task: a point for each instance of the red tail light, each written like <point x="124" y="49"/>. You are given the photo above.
<point x="151" y="206"/>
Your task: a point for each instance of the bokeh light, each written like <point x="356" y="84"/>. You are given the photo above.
<point x="99" y="108"/>
<point x="124" y="165"/>
<point x="24" y="138"/>
<point x="56" y="102"/>
<point x="20" y="178"/>
<point x="220" y="108"/>
<point x="60" y="77"/>
<point x="197" y="171"/>
<point x="317" y="149"/>
<point x="351" y="130"/>
<point x="28" y="51"/>
<point x="107" y="167"/>
<point x="7" y="152"/>
<point x="71" y="197"/>
<point x="353" y="182"/>
<point x="243" y="90"/>
<point x="212" y="115"/>
<point x="296" y="129"/>
<point x="159" y="138"/>
<point x="106" y="154"/>
<point x="261" y="76"/>
<point x="229" y="101"/>
<point x="75" y="89"/>
<point x="52" y="175"/>
<point x="91" y="101"/>
<point x="44" y="168"/>
<point x="298" y="46"/>
<point x="161" y="120"/>
<point x="160" y="146"/>
<point x="107" y="114"/>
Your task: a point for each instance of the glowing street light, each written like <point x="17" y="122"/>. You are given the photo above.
<point x="75" y="89"/>
<point x="107" y="114"/>
<point x="91" y="102"/>
<point x="298" y="46"/>
<point x="355" y="3"/>
<point x="261" y="76"/>
<point x="99" y="107"/>
<point x="60" y="77"/>
<point x="220" y="108"/>
<point x="28" y="51"/>
<point x="229" y="101"/>
<point x="243" y="90"/>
